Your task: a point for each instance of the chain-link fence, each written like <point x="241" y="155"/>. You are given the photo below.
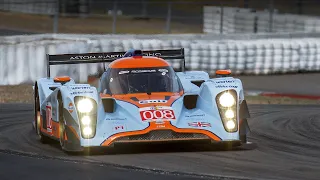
<point x="167" y="16"/>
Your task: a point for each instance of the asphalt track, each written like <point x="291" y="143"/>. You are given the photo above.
<point x="300" y="84"/>
<point x="286" y="146"/>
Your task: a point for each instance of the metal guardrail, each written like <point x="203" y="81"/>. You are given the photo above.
<point x="242" y="20"/>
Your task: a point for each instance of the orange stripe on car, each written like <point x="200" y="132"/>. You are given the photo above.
<point x="138" y="62"/>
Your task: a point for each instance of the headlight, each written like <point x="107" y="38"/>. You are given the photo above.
<point x="226" y="100"/>
<point x="230" y="125"/>
<point x="84" y="106"/>
<point x="229" y="114"/>
<point x="85" y="120"/>
<point x="87" y="131"/>
<point x="87" y="115"/>
<point x="227" y="106"/>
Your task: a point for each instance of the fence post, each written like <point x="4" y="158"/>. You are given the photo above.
<point x="144" y="9"/>
<point x="271" y="11"/>
<point x="221" y="18"/>
<point x="114" y="21"/>
<point x="299" y="5"/>
<point x="56" y="17"/>
<point x="168" y="22"/>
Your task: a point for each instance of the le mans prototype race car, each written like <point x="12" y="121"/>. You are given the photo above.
<point x="140" y="98"/>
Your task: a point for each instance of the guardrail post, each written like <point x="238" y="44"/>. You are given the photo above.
<point x="56" y="17"/>
<point x="144" y="9"/>
<point x="114" y="20"/>
<point x="271" y="11"/>
<point x="168" y="23"/>
<point x="221" y="18"/>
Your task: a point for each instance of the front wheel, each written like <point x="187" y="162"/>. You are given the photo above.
<point x="244" y="129"/>
<point x="37" y="118"/>
<point x="243" y="139"/>
<point x="62" y="127"/>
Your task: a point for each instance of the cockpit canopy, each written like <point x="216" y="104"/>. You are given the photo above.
<point x="117" y="81"/>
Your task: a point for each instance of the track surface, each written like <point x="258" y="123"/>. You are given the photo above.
<point x="287" y="139"/>
<point x="304" y="84"/>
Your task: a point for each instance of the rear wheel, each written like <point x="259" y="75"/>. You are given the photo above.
<point x="37" y="118"/>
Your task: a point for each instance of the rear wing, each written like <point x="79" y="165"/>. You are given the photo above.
<point x="172" y="54"/>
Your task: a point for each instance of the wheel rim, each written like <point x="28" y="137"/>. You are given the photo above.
<point x="38" y="124"/>
<point x="62" y="134"/>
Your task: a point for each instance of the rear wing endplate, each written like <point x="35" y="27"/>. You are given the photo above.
<point x="172" y="54"/>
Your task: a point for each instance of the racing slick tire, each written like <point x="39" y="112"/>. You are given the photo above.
<point x="243" y="131"/>
<point x="243" y="139"/>
<point x="42" y="138"/>
<point x="62" y="127"/>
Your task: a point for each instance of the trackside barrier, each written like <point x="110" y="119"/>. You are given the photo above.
<point x="243" y="20"/>
<point x="22" y="60"/>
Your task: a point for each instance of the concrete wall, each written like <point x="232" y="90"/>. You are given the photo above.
<point x="22" y="58"/>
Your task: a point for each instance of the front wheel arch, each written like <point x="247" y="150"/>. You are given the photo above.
<point x="44" y="139"/>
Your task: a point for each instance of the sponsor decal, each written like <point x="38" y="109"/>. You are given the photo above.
<point x="163" y="70"/>
<point x="225" y="81"/>
<point x="80" y="87"/>
<point x="228" y="86"/>
<point x="118" y="128"/>
<point x="199" y="124"/>
<point x="194" y="77"/>
<point x="116" y="119"/>
<point x="143" y="71"/>
<point x="161" y="126"/>
<point x="152" y="101"/>
<point x="88" y="57"/>
<point x="155" y="113"/>
<point x="124" y="72"/>
<point x="81" y="92"/>
<point x="54" y="84"/>
<point x="152" y="54"/>
<point x="159" y="122"/>
<point x="49" y="117"/>
<point x="194" y="115"/>
<point x="108" y="56"/>
<point x="70" y="108"/>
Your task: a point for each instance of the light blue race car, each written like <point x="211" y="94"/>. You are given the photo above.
<point x="140" y="98"/>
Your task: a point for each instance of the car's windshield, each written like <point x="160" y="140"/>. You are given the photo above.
<point x="142" y="80"/>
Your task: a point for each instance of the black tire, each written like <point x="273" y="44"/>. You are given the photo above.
<point x="243" y="132"/>
<point x="243" y="139"/>
<point x="42" y="138"/>
<point x="62" y="127"/>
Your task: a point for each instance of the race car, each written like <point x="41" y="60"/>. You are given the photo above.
<point x="140" y="99"/>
